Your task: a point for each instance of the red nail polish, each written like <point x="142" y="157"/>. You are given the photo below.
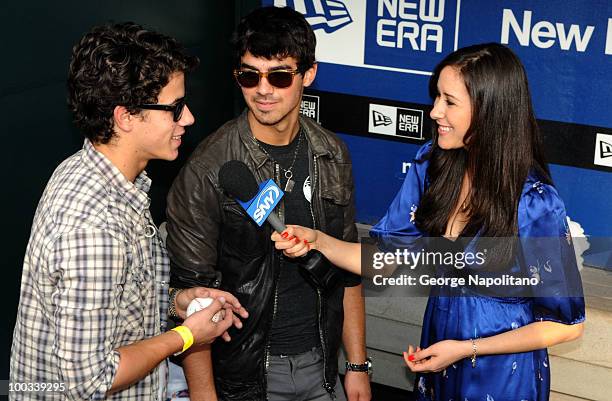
<point x="297" y="240"/>
<point x="285" y="234"/>
<point x="290" y="239"/>
<point x="306" y="242"/>
<point x="411" y="358"/>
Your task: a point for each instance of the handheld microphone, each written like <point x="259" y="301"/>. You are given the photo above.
<point x="258" y="201"/>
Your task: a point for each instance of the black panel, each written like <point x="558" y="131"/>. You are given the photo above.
<point x="565" y="143"/>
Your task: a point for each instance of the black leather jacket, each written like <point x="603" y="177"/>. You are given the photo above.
<point x="212" y="242"/>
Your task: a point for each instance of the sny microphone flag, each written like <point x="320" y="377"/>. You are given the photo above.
<point x="260" y="207"/>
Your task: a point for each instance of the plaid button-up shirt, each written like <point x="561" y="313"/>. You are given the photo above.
<point x="95" y="278"/>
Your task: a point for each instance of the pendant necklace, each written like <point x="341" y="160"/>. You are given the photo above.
<point x="287" y="171"/>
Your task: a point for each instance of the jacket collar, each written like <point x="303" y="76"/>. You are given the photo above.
<point x="318" y="144"/>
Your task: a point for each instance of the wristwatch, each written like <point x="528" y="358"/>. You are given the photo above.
<point x="365" y="367"/>
<point x="172" y="293"/>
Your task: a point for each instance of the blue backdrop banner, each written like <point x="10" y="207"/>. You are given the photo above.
<point x="376" y="58"/>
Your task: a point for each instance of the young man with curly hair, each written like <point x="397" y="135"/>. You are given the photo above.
<point x="92" y="315"/>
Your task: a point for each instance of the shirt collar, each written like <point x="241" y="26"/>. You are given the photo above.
<point x="135" y="192"/>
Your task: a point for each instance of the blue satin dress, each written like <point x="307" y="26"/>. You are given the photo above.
<point x="507" y="377"/>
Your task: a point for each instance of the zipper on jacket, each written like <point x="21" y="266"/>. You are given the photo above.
<point x="313" y="182"/>
<point x="274" y="307"/>
<point x="276" y="259"/>
<point x="281" y="204"/>
<point x="326" y="385"/>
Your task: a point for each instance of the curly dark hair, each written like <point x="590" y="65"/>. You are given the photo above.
<point x="122" y="64"/>
<point x="274" y="32"/>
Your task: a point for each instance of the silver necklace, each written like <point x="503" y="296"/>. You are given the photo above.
<point x="287" y="171"/>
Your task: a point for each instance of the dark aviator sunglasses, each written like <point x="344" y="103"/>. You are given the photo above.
<point x="277" y="78"/>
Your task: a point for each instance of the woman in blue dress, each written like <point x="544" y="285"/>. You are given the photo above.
<point x="482" y="175"/>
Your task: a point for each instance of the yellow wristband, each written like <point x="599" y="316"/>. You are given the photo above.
<point x="187" y="337"/>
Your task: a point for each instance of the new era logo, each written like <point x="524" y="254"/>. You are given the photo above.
<point x="310" y="107"/>
<point x="396" y="121"/>
<point x="329" y="15"/>
<point x="603" y="150"/>
<point x="380" y="119"/>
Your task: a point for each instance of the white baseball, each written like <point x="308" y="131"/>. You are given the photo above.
<point x="200" y="303"/>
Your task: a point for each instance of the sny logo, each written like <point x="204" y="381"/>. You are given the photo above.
<point x="264" y="202"/>
<point x="603" y="150"/>
<point x="329" y="15"/>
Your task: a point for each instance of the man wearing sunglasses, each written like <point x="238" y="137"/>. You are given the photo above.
<point x="92" y="315"/>
<point x="288" y="348"/>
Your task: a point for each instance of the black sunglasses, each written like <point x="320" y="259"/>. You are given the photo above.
<point x="176" y="108"/>
<point x="277" y="78"/>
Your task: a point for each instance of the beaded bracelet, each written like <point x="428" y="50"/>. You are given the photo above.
<point x="474" y="349"/>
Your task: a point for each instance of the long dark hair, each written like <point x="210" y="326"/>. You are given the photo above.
<point x="501" y="146"/>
